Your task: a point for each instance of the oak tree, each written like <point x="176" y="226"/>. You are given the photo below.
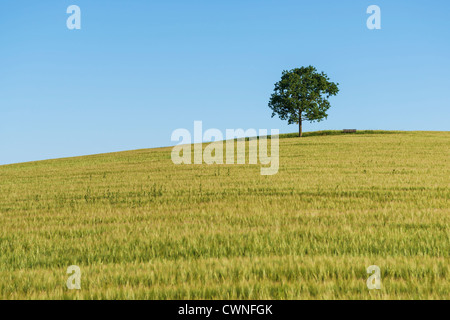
<point x="302" y="95"/>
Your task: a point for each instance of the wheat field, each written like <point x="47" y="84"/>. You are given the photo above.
<point x="140" y="227"/>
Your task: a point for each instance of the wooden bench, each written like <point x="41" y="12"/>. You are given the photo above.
<point x="349" y="130"/>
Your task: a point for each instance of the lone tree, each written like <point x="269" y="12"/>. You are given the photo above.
<point x="302" y="95"/>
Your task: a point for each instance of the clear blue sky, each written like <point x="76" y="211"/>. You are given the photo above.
<point x="137" y="70"/>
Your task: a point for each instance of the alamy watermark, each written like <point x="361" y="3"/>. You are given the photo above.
<point x="74" y="281"/>
<point x="213" y="153"/>
<point x="374" y="21"/>
<point x="374" y="281"/>
<point x="74" y="20"/>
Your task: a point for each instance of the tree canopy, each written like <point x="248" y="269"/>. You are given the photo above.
<point x="302" y="95"/>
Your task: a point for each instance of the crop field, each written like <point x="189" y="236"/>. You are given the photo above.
<point x="140" y="227"/>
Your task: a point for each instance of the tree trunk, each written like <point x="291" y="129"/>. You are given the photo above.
<point x="300" y="127"/>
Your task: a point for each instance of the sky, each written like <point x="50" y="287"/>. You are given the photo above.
<point x="137" y="70"/>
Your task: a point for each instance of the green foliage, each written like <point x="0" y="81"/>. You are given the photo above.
<point x="302" y="95"/>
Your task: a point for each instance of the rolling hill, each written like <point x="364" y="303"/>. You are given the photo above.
<point x="140" y="227"/>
